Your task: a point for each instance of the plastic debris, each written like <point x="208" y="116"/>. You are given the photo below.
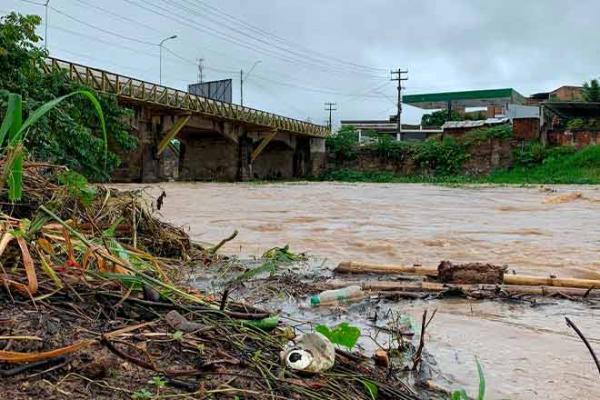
<point x="312" y="353"/>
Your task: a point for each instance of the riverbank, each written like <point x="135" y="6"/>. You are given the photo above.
<point x="487" y="156"/>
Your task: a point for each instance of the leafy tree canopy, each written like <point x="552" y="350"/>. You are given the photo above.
<point x="591" y="91"/>
<point x="437" y="118"/>
<point x="70" y="135"/>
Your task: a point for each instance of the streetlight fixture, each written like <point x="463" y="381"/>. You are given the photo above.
<point x="160" y="45"/>
<point x="242" y="80"/>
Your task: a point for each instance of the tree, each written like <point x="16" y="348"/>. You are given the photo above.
<point x="591" y="91"/>
<point x="437" y="118"/>
<point x="71" y="134"/>
<point x="343" y="143"/>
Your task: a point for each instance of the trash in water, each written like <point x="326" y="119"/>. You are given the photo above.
<point x="312" y="353"/>
<point x="337" y="296"/>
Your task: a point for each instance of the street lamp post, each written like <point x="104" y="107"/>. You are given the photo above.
<point x="242" y="80"/>
<point x="46" y="25"/>
<point x="160" y="45"/>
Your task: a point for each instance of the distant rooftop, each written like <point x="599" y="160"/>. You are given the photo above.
<point x="470" y="98"/>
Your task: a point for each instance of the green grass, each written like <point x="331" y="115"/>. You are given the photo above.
<point x="581" y="167"/>
<point x="556" y="167"/>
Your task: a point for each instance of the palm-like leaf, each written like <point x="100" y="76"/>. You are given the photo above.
<point x="16" y="129"/>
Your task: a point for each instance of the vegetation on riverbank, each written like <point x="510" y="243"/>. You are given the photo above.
<point x="441" y="160"/>
<point x="71" y="136"/>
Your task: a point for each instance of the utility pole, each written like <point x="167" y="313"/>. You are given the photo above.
<point x="46" y="25"/>
<point x="329" y="107"/>
<point x="200" y="70"/>
<point x="397" y="76"/>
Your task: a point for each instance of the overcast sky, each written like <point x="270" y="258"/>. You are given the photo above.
<point x="333" y="50"/>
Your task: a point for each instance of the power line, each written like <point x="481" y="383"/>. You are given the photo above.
<point x="106" y="42"/>
<point x="192" y="63"/>
<point x="33" y="2"/>
<point x="119" y="16"/>
<point x="102" y="29"/>
<point x="135" y="39"/>
<point x="287" y="49"/>
<point x="222" y="14"/>
<point x="183" y="20"/>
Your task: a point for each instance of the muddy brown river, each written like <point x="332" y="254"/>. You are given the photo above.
<point x="526" y="352"/>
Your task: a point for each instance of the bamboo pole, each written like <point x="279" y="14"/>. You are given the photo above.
<point x="352" y="267"/>
<point x="435" y="287"/>
<point x="543" y="281"/>
<point x="349" y="267"/>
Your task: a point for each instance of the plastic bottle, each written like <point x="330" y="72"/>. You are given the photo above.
<point x="337" y="296"/>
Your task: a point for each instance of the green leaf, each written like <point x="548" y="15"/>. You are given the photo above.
<point x="268" y="266"/>
<point x="371" y="387"/>
<point x="45" y="108"/>
<point x="12" y="115"/>
<point x="177" y="335"/>
<point x="142" y="394"/>
<point x="481" y="394"/>
<point x="343" y="334"/>
<point x="158" y="382"/>
<point x="15" y="156"/>
<point x="78" y="186"/>
<point x="460" y="395"/>
<point x="15" y="127"/>
<point x="265" y="324"/>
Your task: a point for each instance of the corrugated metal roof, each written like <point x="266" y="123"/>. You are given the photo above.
<point x="474" y="124"/>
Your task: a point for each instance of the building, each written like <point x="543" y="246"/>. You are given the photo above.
<point x="563" y="93"/>
<point x="371" y="128"/>
<point x="494" y="101"/>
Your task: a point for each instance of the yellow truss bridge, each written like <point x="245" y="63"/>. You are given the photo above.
<point x="147" y="93"/>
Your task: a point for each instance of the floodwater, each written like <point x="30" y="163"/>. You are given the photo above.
<point x="526" y="352"/>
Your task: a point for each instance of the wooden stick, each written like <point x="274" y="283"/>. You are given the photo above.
<point x="352" y="267"/>
<point x="585" y="341"/>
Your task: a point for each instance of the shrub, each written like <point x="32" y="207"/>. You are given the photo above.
<point x="343" y="144"/>
<point x="503" y="131"/>
<point x="445" y="157"/>
<point x="530" y="153"/>
<point x="390" y="149"/>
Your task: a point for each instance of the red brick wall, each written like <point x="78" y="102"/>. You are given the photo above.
<point x="526" y="128"/>
<point x="567" y="93"/>
<point x="458" y="132"/>
<point x="577" y="138"/>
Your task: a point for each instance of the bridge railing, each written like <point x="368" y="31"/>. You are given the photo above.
<point x="147" y="92"/>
